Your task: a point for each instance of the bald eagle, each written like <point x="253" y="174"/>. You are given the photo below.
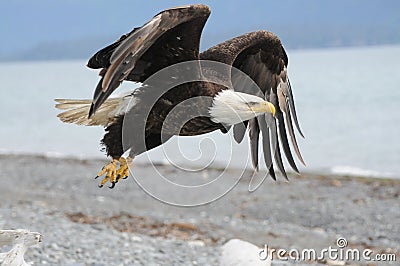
<point x="136" y="121"/>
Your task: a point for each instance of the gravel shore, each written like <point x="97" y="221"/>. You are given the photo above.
<point x="84" y="225"/>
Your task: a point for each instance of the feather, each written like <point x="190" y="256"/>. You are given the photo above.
<point x="77" y="111"/>
<point x="266" y="145"/>
<point x="154" y="37"/>
<point x="292" y="107"/>
<point x="271" y="122"/>
<point x="292" y="136"/>
<point x="239" y="131"/>
<point x="102" y="58"/>
<point x="254" y="131"/>
<point x="285" y="142"/>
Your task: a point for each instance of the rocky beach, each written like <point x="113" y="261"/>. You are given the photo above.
<point x="84" y="225"/>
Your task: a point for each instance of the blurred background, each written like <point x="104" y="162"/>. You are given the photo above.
<point x="343" y="65"/>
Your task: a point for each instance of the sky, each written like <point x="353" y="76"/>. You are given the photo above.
<point x="26" y="24"/>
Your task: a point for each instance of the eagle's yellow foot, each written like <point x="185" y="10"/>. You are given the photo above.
<point x="111" y="173"/>
<point x="123" y="171"/>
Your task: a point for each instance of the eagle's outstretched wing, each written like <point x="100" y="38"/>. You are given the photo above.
<point x="262" y="57"/>
<point x="172" y="36"/>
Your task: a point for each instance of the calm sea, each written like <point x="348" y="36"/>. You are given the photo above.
<point x="347" y="102"/>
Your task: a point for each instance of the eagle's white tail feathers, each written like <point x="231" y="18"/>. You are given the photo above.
<point x="77" y="111"/>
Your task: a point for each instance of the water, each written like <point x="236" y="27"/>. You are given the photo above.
<point x="347" y="101"/>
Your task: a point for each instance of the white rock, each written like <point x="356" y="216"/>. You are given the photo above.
<point x="136" y="238"/>
<point x="21" y="240"/>
<point x="237" y="252"/>
<point x="196" y="243"/>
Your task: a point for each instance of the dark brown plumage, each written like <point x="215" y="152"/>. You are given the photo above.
<point x="172" y="37"/>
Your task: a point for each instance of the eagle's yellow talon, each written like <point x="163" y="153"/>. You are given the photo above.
<point x="112" y="185"/>
<point x="112" y="174"/>
<point x="123" y="171"/>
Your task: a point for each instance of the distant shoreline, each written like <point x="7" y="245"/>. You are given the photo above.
<point x="27" y="55"/>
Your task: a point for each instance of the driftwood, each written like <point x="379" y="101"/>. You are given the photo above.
<point x="20" y="240"/>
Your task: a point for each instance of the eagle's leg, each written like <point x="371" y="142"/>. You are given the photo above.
<point x="123" y="171"/>
<point x="111" y="173"/>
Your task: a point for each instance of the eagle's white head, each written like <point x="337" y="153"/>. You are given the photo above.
<point x="230" y="107"/>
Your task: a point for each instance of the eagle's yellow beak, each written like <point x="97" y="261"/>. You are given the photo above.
<point x="263" y="107"/>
